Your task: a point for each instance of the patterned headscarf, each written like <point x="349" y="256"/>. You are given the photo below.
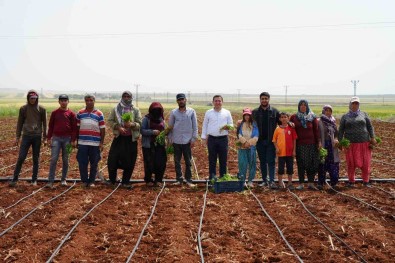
<point x="307" y="116"/>
<point x="353" y="113"/>
<point x="330" y="122"/>
<point x="124" y="106"/>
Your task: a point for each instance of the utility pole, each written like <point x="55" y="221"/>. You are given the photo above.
<point x="238" y="97"/>
<point x="355" y="82"/>
<point x="286" y="94"/>
<point x="189" y="96"/>
<point x="137" y="94"/>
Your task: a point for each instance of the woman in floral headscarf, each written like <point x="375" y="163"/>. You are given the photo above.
<point x="307" y="144"/>
<point x="357" y="128"/>
<point x="328" y="140"/>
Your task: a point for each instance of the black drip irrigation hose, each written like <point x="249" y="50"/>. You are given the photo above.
<point x="277" y="227"/>
<point x="146" y="225"/>
<point x="200" y="226"/>
<point x="362" y="201"/>
<point x="23" y="198"/>
<point x="32" y="211"/>
<point x="327" y="228"/>
<point x="56" y="251"/>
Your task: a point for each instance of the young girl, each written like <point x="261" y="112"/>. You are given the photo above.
<point x="247" y="134"/>
<point x="284" y="139"/>
<point x="154" y="154"/>
<point x="328" y="134"/>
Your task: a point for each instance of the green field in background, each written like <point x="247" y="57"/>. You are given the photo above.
<point x="10" y="107"/>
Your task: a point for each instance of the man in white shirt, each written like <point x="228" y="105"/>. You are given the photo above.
<point x="216" y="125"/>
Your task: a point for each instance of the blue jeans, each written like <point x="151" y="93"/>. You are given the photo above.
<point x="35" y="142"/>
<point x="57" y="144"/>
<point x="88" y="154"/>
<point x="179" y="151"/>
<point x="217" y="147"/>
<point x="247" y="161"/>
<point x="267" y="157"/>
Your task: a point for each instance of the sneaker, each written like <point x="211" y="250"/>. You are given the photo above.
<point x="367" y="184"/>
<point x="127" y="186"/>
<point x="158" y="184"/>
<point x="191" y="185"/>
<point x="291" y="187"/>
<point x="273" y="185"/>
<point x="300" y="187"/>
<point x="263" y="184"/>
<point x="312" y="187"/>
<point x="34" y="183"/>
<point x="320" y="187"/>
<point x="49" y="185"/>
<point x="250" y="184"/>
<point x="13" y="183"/>
<point x="63" y="183"/>
<point x="91" y="185"/>
<point x="177" y="183"/>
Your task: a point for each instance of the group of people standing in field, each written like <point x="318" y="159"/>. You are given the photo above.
<point x="263" y="131"/>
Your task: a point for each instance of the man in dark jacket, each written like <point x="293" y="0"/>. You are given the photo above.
<point x="267" y="118"/>
<point x="32" y="125"/>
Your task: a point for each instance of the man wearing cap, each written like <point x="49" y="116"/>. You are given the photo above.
<point x="123" y="151"/>
<point x="91" y="131"/>
<point x="183" y="134"/>
<point x="267" y="119"/>
<point x="216" y="125"/>
<point x="32" y="125"/>
<point x="62" y="130"/>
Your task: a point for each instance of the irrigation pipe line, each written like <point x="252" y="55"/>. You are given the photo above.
<point x="146" y="225"/>
<point x="194" y="165"/>
<point x="28" y="158"/>
<point x="200" y="225"/>
<point x="327" y="228"/>
<point x="56" y="251"/>
<point x="32" y="211"/>
<point x="363" y="202"/>
<point x="277" y="227"/>
<point x="385" y="191"/>
<point x="23" y="198"/>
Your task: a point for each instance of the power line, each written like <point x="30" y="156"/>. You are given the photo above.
<point x="114" y="35"/>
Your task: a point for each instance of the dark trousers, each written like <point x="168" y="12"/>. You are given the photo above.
<point x="267" y="158"/>
<point x="123" y="155"/>
<point x="179" y="151"/>
<point x="307" y="160"/>
<point x="217" y="148"/>
<point x="27" y="141"/>
<point x="328" y="166"/>
<point x="155" y="160"/>
<point x="285" y="161"/>
<point x="86" y="155"/>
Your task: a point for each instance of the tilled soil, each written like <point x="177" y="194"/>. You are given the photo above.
<point x="234" y="229"/>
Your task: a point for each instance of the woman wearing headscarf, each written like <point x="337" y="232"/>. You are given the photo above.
<point x="307" y="143"/>
<point x="154" y="153"/>
<point x="357" y="128"/>
<point x="123" y="151"/>
<point x="328" y="140"/>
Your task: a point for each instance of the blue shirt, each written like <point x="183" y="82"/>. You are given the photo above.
<point x="185" y="127"/>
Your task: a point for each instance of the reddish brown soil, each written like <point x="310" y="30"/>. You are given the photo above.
<point x="234" y="227"/>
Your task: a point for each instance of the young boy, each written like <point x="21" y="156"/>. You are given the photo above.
<point x="284" y="139"/>
<point x="62" y="130"/>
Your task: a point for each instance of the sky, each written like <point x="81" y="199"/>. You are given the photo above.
<point x="247" y="46"/>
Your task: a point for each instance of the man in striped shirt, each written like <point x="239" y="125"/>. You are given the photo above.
<point x="91" y="132"/>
